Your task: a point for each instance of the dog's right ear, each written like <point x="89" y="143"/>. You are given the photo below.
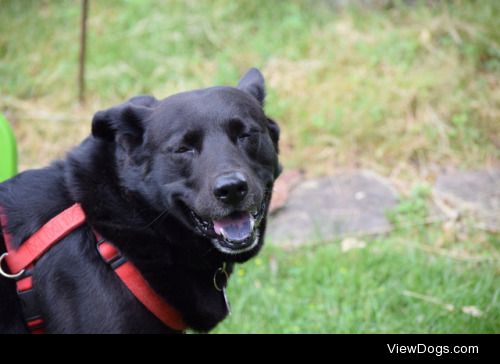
<point x="253" y="83"/>
<point x="124" y="123"/>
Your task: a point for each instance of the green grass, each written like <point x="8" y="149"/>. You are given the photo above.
<point x="393" y="89"/>
<point x="420" y="278"/>
<point x="370" y="290"/>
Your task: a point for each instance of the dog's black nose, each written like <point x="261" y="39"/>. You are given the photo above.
<point x="231" y="188"/>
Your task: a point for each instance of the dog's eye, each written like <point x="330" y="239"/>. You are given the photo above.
<point x="183" y="149"/>
<point x="244" y="136"/>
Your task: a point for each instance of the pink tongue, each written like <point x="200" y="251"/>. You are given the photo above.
<point x="237" y="226"/>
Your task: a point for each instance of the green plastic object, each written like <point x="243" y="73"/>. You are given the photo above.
<point x="8" y="151"/>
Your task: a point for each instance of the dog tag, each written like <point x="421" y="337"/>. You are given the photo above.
<point x="228" y="306"/>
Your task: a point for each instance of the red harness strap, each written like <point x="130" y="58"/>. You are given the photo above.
<point x="31" y="312"/>
<point x="139" y="287"/>
<point x="42" y="240"/>
<point x="22" y="260"/>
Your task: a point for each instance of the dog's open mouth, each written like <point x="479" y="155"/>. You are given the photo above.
<point x="235" y="233"/>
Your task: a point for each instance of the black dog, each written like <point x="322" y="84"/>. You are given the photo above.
<point x="180" y="186"/>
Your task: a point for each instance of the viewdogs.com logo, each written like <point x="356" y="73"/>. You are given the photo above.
<point x="437" y="350"/>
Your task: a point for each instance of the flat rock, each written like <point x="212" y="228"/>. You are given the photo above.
<point x="476" y="191"/>
<point x="331" y="207"/>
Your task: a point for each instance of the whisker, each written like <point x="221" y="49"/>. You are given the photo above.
<point x="156" y="219"/>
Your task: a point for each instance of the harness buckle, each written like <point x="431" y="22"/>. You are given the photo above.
<point x="7" y="275"/>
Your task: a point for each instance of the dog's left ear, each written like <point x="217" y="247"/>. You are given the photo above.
<point x="274" y="132"/>
<point x="253" y="83"/>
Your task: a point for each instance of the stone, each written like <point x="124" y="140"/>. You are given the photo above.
<point x="474" y="191"/>
<point x="332" y="207"/>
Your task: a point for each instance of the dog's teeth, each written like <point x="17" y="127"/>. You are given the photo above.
<point x="252" y="223"/>
<point x="223" y="233"/>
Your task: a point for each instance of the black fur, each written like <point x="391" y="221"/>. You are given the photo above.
<point x="146" y="163"/>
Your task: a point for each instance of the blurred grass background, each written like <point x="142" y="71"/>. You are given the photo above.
<point x="395" y="88"/>
<point x="404" y="88"/>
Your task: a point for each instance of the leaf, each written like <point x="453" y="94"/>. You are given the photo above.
<point x="351" y="243"/>
<point x="472" y="310"/>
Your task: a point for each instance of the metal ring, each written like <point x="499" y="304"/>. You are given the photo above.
<point x="226" y="277"/>
<point x="7" y="275"/>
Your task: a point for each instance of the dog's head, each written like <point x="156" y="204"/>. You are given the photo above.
<point x="207" y="157"/>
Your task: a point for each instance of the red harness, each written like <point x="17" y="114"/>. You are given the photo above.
<point x="23" y="259"/>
